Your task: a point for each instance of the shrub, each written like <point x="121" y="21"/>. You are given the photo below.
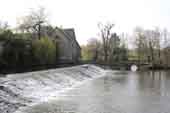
<point x="17" y="52"/>
<point x="6" y="35"/>
<point x="44" y="51"/>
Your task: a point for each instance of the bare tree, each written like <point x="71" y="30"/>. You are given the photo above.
<point x="165" y="46"/>
<point x="148" y="44"/>
<point x="3" y="26"/>
<point x="32" y="22"/>
<point x="141" y="44"/>
<point x="105" y="33"/>
<point x="94" y="46"/>
<point x="153" y="39"/>
<point x="114" y="44"/>
<point x="158" y="40"/>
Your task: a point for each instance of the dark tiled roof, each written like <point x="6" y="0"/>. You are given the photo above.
<point x="70" y="34"/>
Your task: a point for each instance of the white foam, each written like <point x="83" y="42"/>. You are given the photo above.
<point x="44" y="85"/>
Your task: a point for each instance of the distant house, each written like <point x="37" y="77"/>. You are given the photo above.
<point x="69" y="49"/>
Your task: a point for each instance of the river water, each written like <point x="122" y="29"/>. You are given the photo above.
<point x="116" y="92"/>
<point x="25" y="89"/>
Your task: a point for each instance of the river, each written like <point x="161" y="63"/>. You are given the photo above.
<point x="116" y="92"/>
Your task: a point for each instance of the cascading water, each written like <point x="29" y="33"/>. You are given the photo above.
<point x="20" y="90"/>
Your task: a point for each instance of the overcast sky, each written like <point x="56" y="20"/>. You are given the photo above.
<point x="83" y="15"/>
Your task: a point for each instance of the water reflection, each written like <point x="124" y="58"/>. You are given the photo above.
<point x="152" y="82"/>
<point x="120" y="92"/>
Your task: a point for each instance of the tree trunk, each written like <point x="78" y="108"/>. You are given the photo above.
<point x="39" y="31"/>
<point x="152" y="54"/>
<point x="159" y="54"/>
<point x="166" y="58"/>
<point x="105" y="55"/>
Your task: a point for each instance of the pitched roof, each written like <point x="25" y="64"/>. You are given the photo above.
<point x="70" y="34"/>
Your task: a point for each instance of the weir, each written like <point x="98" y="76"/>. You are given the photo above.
<point x="21" y="90"/>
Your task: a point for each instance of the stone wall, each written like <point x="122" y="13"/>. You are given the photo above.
<point x="69" y="48"/>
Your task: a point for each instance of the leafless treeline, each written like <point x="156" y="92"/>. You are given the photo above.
<point x="152" y="46"/>
<point x="109" y="48"/>
<point x="148" y="46"/>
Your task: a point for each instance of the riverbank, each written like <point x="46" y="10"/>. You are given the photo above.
<point x="127" y="66"/>
<point x="116" y="66"/>
<point x="20" y="90"/>
<point x="11" y="70"/>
